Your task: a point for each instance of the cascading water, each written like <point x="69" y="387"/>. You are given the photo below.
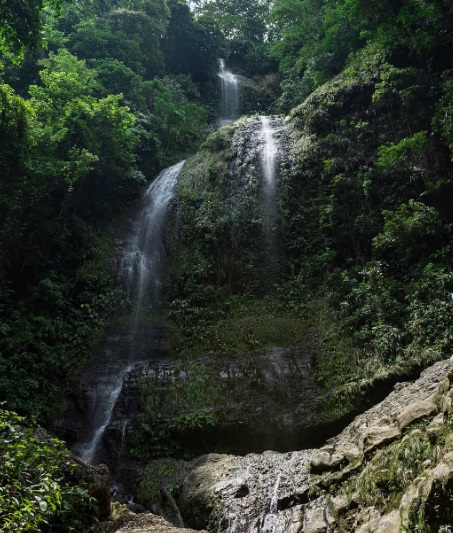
<point x="255" y="487"/>
<point x="269" y="160"/>
<point x="142" y="267"/>
<point x="107" y="393"/>
<point x="229" y="95"/>
<point x="142" y="271"/>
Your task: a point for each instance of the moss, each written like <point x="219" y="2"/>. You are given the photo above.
<point x="352" y="156"/>
<point x="389" y="473"/>
<point x="242" y="328"/>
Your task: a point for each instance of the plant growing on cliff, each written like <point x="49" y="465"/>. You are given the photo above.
<point x="175" y="404"/>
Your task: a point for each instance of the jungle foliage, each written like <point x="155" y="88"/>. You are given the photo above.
<point x="37" y="493"/>
<point x="102" y="99"/>
<point x="95" y="102"/>
<point x="316" y="39"/>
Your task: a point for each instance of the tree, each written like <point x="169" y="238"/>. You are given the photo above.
<point x="20" y="23"/>
<point x="86" y="144"/>
<point x="15" y="141"/>
<point x="130" y="33"/>
<point x="175" y="122"/>
<point x="245" y="24"/>
<point x="192" y="46"/>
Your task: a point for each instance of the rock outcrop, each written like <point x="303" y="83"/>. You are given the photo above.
<point x="266" y="399"/>
<point x="76" y="426"/>
<point x="390" y="470"/>
<point x="230" y="493"/>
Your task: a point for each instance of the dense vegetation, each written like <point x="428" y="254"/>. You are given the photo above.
<point x="87" y="117"/>
<point x="97" y="96"/>
<point x="37" y="489"/>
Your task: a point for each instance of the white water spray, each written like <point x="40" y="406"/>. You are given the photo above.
<point x="107" y="394"/>
<point x="142" y="266"/>
<point x="229" y="94"/>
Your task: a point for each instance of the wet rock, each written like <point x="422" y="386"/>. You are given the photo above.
<point x="436" y="425"/>
<point x="384" y="422"/>
<point x="268" y="400"/>
<point x="120" y="511"/>
<point x="77" y="425"/>
<point x="367" y="520"/>
<point x="136" y="508"/>
<point x="400" y="386"/>
<point x="209" y="492"/>
<point x="285" y="495"/>
<point x="416" y="411"/>
<point x="339" y="504"/>
<point x="315" y="520"/>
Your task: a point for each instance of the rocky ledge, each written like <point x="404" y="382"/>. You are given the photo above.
<point x="143" y="523"/>
<point x="390" y="470"/>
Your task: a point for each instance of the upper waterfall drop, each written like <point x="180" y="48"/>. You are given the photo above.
<point x="229" y="94"/>
<point x="142" y="265"/>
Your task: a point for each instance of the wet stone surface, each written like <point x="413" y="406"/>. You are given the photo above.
<point x="248" y="494"/>
<point x="93" y="393"/>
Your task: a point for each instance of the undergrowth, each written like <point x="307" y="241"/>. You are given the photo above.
<point x="35" y="492"/>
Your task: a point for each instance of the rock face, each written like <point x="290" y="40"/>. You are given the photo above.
<point x="386" y="421"/>
<point x="251" y="493"/>
<point x="264" y="400"/>
<point x="233" y="212"/>
<point x="267" y="399"/>
<point x="390" y="470"/>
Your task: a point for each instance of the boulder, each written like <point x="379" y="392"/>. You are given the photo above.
<point x="143" y="523"/>
<point x="227" y="491"/>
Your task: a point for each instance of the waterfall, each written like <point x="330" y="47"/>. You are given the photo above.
<point x="142" y="267"/>
<point x="229" y="94"/>
<point x="107" y="394"/>
<point x="142" y="271"/>
<point x="269" y="159"/>
<point x="268" y="141"/>
<point x="273" y="508"/>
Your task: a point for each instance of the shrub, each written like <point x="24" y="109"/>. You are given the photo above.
<point x="35" y="494"/>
